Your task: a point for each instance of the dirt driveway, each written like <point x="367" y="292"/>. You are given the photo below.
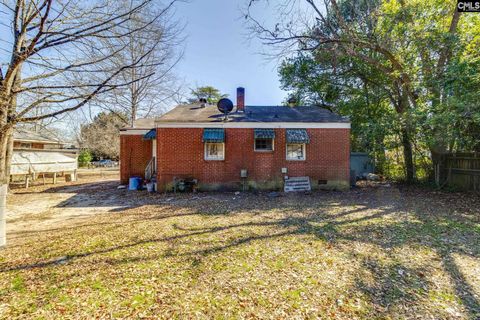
<point x="45" y="207"/>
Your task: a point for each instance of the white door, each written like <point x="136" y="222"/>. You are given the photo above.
<point x="154" y="154"/>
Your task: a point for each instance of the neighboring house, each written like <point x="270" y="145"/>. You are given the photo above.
<point x="260" y="146"/>
<point x="35" y="153"/>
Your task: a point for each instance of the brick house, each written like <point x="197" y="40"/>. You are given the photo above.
<point x="256" y="146"/>
<point x="27" y="139"/>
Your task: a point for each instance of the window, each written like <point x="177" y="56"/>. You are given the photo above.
<point x="214" y="151"/>
<point x="295" y="151"/>
<point x="263" y="144"/>
<point x="25" y="145"/>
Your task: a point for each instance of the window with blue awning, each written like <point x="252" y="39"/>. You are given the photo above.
<point x="150" y="135"/>
<point x="264" y="133"/>
<point x="214" y="135"/>
<point x="297" y="136"/>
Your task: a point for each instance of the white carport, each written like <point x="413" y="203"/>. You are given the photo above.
<point x="34" y="162"/>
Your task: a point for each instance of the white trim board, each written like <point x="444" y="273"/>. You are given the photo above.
<point x="256" y="125"/>
<point x="37" y="141"/>
<point x="134" y="132"/>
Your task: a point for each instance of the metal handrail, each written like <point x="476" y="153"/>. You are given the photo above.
<point x="150" y="169"/>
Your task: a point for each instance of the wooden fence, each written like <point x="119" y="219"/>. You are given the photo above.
<point x="460" y="170"/>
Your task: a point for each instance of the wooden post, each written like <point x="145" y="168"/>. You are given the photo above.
<point x="54" y="178"/>
<point x="27" y="181"/>
<point x="43" y="177"/>
<point x="3" y="214"/>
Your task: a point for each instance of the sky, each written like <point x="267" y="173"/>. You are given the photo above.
<point x="218" y="53"/>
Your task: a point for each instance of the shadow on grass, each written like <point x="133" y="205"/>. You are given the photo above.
<point x="386" y="219"/>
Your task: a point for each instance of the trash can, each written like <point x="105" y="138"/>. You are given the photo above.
<point x="135" y="183"/>
<point x="150" y="187"/>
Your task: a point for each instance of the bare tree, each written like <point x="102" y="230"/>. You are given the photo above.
<point x="51" y="47"/>
<point x="153" y="85"/>
<point x="102" y="136"/>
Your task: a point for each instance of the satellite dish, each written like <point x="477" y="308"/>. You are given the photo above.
<point x="225" y="105"/>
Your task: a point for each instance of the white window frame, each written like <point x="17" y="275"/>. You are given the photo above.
<point x="206" y="157"/>
<point x="257" y="150"/>
<point x="304" y="149"/>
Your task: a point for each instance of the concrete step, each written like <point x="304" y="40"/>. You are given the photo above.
<point x="297" y="184"/>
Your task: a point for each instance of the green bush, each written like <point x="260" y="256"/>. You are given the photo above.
<point x="84" y="158"/>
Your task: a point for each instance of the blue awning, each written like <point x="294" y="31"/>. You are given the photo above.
<point x="214" y="135"/>
<point x="297" y="136"/>
<point x="264" y="134"/>
<point x="150" y="135"/>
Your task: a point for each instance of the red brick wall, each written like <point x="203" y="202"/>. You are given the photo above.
<point x="38" y="146"/>
<point x="34" y="145"/>
<point x="180" y="153"/>
<point x="135" y="153"/>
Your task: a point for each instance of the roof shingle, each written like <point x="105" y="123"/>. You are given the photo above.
<point x="21" y="134"/>
<point x="210" y="114"/>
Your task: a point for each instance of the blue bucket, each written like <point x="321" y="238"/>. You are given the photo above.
<point x="135" y="183"/>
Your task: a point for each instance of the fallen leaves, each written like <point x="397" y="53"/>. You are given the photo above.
<point x="399" y="253"/>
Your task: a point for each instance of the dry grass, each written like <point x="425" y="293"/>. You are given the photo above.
<point x="371" y="253"/>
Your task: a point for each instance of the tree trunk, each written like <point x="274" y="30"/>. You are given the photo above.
<point x="133" y="110"/>
<point x="408" y="156"/>
<point x="405" y="132"/>
<point x="3" y="214"/>
<point x="6" y="148"/>
<point x="379" y="152"/>
<point x="7" y="107"/>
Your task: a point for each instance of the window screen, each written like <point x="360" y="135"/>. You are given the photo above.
<point x="295" y="151"/>
<point x="214" y="151"/>
<point x="263" y="144"/>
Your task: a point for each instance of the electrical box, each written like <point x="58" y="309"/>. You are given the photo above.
<point x="284" y="170"/>
<point x="243" y="173"/>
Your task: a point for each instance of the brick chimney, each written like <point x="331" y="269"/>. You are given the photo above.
<point x="241" y="99"/>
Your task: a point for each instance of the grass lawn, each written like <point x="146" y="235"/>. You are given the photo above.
<point x="370" y="253"/>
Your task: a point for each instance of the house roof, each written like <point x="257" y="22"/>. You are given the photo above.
<point x="144" y="123"/>
<point x="195" y="113"/>
<point x="21" y="134"/>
